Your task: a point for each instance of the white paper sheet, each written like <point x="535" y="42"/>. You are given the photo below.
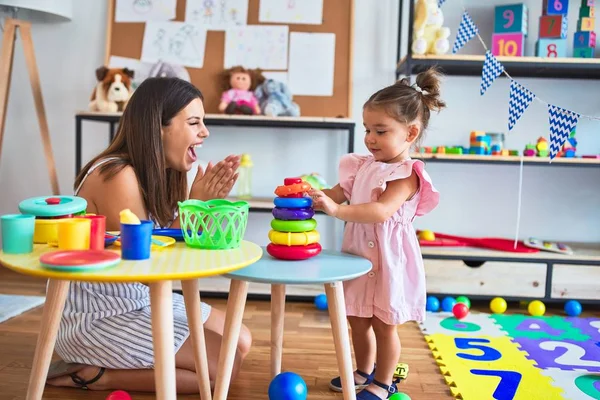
<point x="291" y="11"/>
<point x="145" y="10"/>
<point x="257" y="46"/>
<point x="312" y="61"/>
<point x="277" y="75"/>
<point x="217" y="14"/>
<point x="174" y="42"/>
<point x="141" y="69"/>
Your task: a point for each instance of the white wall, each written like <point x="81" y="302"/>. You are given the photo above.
<point x="476" y="200"/>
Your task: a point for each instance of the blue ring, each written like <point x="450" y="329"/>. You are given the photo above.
<point x="293" y="202"/>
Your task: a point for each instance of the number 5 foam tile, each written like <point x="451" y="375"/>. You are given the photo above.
<point x="526" y="326"/>
<point x="588" y="326"/>
<point x="478" y="368"/>
<point x="474" y="324"/>
<point x="577" y="385"/>
<point x="568" y="355"/>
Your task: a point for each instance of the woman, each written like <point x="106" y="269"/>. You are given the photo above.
<point x="105" y="337"/>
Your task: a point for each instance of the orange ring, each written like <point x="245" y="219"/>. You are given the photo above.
<point x="286" y="190"/>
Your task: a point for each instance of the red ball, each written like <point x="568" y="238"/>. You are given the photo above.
<point x="460" y="310"/>
<point x="119" y="395"/>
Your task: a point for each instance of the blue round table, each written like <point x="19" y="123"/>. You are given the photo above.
<point x="329" y="268"/>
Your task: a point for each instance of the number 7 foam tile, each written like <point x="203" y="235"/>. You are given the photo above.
<point x="569" y="355"/>
<point x="577" y="385"/>
<point x="526" y="326"/>
<point x="474" y="324"/>
<point x="489" y="368"/>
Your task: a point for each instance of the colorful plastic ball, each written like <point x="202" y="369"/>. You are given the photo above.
<point x="448" y="303"/>
<point x="536" y="308"/>
<point x="498" y="305"/>
<point x="119" y="395"/>
<point x="288" y="386"/>
<point x="433" y="304"/>
<point x="573" y="308"/>
<point x="399" y="396"/>
<point x="460" y="310"/>
<point x="321" y="302"/>
<point x="464" y="300"/>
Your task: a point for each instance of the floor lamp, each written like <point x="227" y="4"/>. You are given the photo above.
<point x="11" y="26"/>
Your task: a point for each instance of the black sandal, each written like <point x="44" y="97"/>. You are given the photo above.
<point x="366" y="395"/>
<point x="84" y="384"/>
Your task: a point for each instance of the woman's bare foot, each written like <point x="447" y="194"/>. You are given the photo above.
<point x="93" y="375"/>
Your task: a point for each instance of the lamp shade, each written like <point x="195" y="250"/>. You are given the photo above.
<point x="58" y="8"/>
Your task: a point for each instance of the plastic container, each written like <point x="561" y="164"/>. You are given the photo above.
<point x="245" y="178"/>
<point x="136" y="240"/>
<point x="74" y="234"/>
<point x="97" y="230"/>
<point x="17" y="233"/>
<point x="213" y="224"/>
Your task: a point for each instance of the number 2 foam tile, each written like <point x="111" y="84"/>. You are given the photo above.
<point x="527" y="326"/>
<point x="478" y="368"/>
<point x="474" y="324"/>
<point x="576" y="385"/>
<point x="567" y="355"/>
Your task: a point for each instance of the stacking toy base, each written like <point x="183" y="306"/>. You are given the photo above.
<point x="283" y="252"/>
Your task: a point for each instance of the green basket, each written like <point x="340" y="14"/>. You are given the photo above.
<point x="213" y="224"/>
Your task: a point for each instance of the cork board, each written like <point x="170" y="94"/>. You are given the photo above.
<point x="125" y="39"/>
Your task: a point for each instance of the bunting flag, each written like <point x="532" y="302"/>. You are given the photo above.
<point x="520" y="98"/>
<point x="491" y="70"/>
<point x="466" y="31"/>
<point x="440" y="3"/>
<point x="562" y="123"/>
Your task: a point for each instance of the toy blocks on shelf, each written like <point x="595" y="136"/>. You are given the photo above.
<point x="555" y="7"/>
<point x="511" y="18"/>
<point x="508" y="44"/>
<point x="586" y="24"/>
<point x="583" y="52"/>
<point x="551" y="48"/>
<point x="587" y="12"/>
<point x="553" y="26"/>
<point x="584" y="39"/>
<point x="587" y="3"/>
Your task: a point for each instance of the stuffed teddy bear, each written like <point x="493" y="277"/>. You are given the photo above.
<point x="238" y="96"/>
<point x="430" y="36"/>
<point x="113" y="89"/>
<point x="275" y="99"/>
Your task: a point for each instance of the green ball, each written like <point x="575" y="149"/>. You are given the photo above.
<point x="399" y="396"/>
<point x="465" y="300"/>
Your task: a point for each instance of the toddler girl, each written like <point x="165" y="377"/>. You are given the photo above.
<point x="385" y="191"/>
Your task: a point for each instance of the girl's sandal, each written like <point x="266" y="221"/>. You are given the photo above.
<point x="84" y="384"/>
<point x="336" y="383"/>
<point x="366" y="395"/>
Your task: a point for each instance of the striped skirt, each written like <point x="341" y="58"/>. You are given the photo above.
<point x="109" y="325"/>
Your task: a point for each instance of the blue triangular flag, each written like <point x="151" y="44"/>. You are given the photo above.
<point x="466" y="31"/>
<point x="562" y="123"/>
<point x="440" y="3"/>
<point x="520" y="98"/>
<point x="491" y="70"/>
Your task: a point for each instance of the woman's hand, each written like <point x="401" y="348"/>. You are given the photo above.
<point x="216" y="182"/>
<point x="324" y="203"/>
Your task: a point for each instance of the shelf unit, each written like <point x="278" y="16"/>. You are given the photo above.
<point x="507" y="160"/>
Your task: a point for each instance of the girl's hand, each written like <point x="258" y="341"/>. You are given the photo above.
<point x="216" y="182"/>
<point x="324" y="203"/>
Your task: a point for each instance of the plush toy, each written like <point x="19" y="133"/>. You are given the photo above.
<point x="430" y="36"/>
<point x="275" y="99"/>
<point x="238" y="96"/>
<point x="113" y="89"/>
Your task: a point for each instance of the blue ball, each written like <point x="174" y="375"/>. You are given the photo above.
<point x="321" y="302"/>
<point x="288" y="386"/>
<point x="573" y="308"/>
<point x="433" y="304"/>
<point x="448" y="303"/>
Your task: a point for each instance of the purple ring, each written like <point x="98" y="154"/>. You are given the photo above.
<point x="293" y="214"/>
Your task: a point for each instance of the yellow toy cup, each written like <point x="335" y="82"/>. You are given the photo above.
<point x="74" y="234"/>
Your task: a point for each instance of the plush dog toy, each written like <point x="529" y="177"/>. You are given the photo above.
<point x="113" y="89"/>
<point x="430" y="36"/>
<point x="275" y="99"/>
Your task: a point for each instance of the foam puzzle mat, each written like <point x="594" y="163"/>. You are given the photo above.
<point x="516" y="357"/>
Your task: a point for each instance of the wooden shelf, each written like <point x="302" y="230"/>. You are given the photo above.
<point x="257" y="203"/>
<point x="480" y="159"/>
<point x="536" y="67"/>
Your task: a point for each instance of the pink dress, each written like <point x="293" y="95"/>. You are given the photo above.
<point x="394" y="289"/>
<point x="241" y="97"/>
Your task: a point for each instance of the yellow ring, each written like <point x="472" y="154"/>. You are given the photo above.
<point x="294" y="238"/>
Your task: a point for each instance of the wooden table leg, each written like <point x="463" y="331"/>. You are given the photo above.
<point x="56" y="296"/>
<point x="341" y="339"/>
<point x="277" y="317"/>
<point x="236" y="303"/>
<point x="161" y="303"/>
<point x="193" y="308"/>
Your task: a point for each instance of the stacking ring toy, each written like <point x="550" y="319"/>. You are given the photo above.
<point x="286" y="190"/>
<point x="293" y="214"/>
<point x="294" y="238"/>
<point x="293" y="252"/>
<point x="290" y="202"/>
<point x="294" y="226"/>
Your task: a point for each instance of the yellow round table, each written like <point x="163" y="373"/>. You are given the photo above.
<point x="177" y="262"/>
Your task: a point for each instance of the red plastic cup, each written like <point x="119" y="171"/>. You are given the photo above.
<point x="97" y="231"/>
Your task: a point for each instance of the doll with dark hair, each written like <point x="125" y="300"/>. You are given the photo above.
<point x="238" y="97"/>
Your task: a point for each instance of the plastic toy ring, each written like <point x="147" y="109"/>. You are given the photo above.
<point x="286" y="190"/>
<point x="293" y="214"/>
<point x="293" y="252"/>
<point x="293" y="226"/>
<point x="290" y="202"/>
<point x="294" y="238"/>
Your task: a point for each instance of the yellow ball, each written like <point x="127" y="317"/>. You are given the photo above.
<point x="498" y="305"/>
<point x="536" y="308"/>
<point x="427" y="236"/>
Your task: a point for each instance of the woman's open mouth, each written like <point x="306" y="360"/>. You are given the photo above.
<point x="192" y="153"/>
